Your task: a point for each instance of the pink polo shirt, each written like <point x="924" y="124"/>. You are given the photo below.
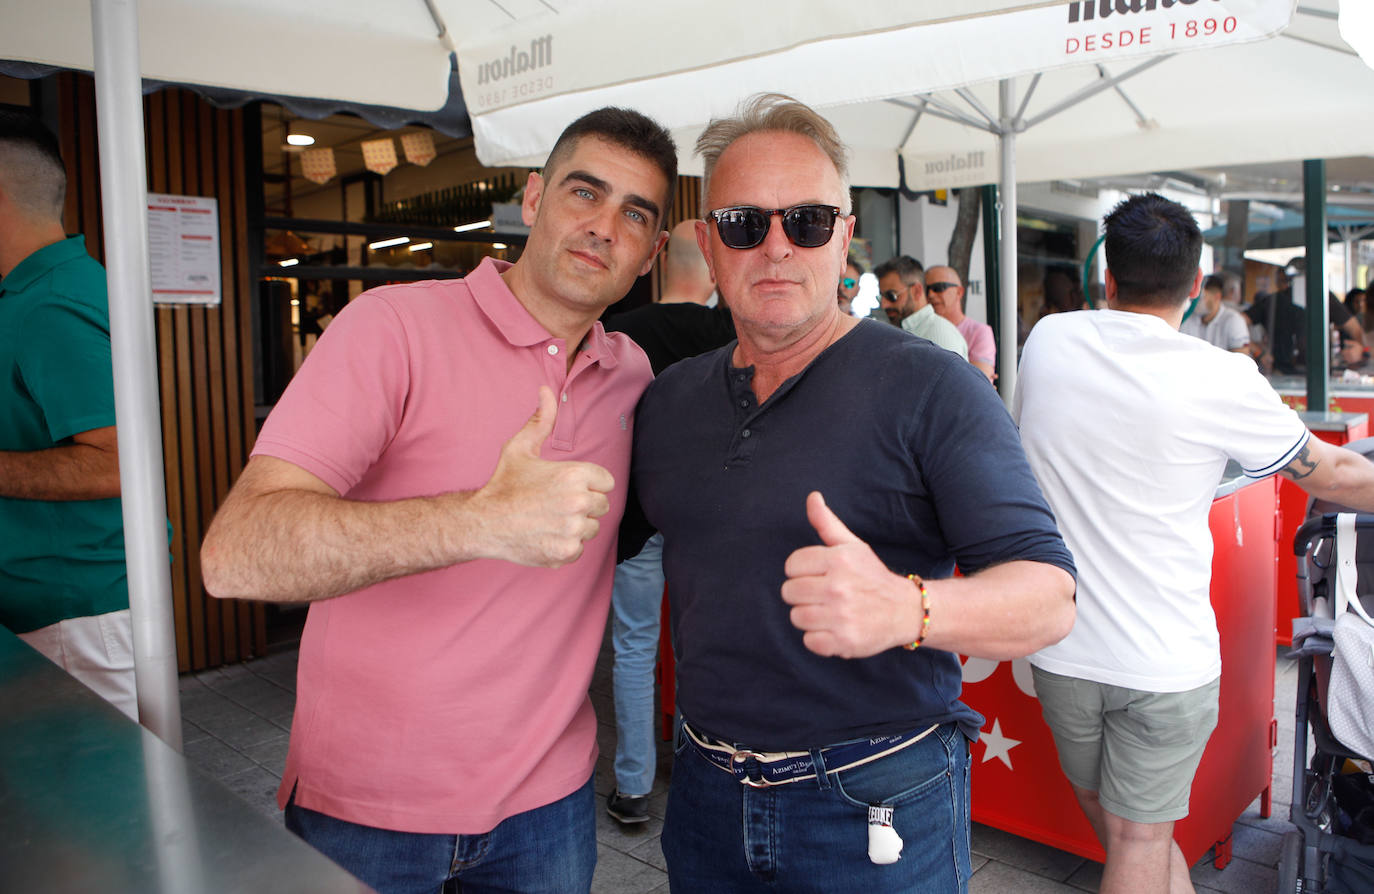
<point x="979" y="337"/>
<point x="447" y="701"/>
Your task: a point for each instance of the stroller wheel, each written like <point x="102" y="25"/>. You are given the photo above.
<point x="1290" y="862"/>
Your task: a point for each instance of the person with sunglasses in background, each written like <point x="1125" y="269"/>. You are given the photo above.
<point x="815" y="616"/>
<point x="903" y="298"/>
<point x="849" y="287"/>
<point x="945" y="291"/>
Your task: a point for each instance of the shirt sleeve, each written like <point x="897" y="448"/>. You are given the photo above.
<point x="1237" y="334"/>
<point x="1339" y="313"/>
<point x="346" y="402"/>
<point x="983" y="348"/>
<point x="1264" y="432"/>
<point x="990" y="506"/>
<point x="947" y="336"/>
<point x="64" y="362"/>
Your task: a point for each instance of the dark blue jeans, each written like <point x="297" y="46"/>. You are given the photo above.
<point x="549" y="850"/>
<point x="812" y="836"/>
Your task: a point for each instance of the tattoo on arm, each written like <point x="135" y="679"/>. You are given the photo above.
<point x="1301" y="466"/>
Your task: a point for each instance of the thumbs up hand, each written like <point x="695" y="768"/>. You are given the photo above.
<point x="844" y="599"/>
<point x="540" y="512"/>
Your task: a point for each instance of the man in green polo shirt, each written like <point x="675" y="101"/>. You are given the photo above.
<point x="62" y="577"/>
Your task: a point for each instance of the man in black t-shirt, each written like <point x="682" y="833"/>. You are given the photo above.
<point x="815" y="483"/>
<point x="679" y="325"/>
<point x="1285" y="327"/>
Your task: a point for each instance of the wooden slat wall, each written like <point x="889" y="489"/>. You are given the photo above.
<point x="686" y="206"/>
<point x="204" y="353"/>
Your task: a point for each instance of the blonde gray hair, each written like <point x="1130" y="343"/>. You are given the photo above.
<point x="772" y="112"/>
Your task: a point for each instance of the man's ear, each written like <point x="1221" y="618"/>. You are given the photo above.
<point x="534" y="191"/>
<point x="704" y="243"/>
<point x="1109" y="289"/>
<point x="1197" y="284"/>
<point x="658" y="246"/>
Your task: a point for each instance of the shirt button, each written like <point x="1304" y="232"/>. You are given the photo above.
<point x="744" y="402"/>
<point x="565" y="397"/>
<point x="745" y="433"/>
<point x="553" y="349"/>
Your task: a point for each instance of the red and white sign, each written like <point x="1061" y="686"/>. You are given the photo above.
<point x="183" y="249"/>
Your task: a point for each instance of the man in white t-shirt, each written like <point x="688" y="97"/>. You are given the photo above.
<point x="1128" y="425"/>
<point x="1214" y="322"/>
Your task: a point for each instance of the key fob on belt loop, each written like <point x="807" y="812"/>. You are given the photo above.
<point x="884" y="844"/>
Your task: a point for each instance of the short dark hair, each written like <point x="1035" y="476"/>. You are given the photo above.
<point x="630" y="130"/>
<point x="1213" y="281"/>
<point x="905" y="266"/>
<point x="31" y="164"/>
<point x="1152" y="247"/>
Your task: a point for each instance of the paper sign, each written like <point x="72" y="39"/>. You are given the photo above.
<point x="183" y="249"/>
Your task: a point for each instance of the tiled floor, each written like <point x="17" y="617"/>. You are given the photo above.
<point x="236" y="721"/>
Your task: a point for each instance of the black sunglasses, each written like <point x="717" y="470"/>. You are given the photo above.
<point x="744" y="226"/>
<point x="893" y="294"/>
<point x="938" y="287"/>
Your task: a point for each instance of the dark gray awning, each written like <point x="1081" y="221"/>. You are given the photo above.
<point x="451" y="120"/>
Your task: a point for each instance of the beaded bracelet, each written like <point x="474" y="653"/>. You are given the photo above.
<point x="925" y="613"/>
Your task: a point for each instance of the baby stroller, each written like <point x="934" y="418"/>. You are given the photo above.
<point x="1332" y="848"/>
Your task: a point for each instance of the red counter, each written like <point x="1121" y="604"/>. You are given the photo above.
<point x="1017" y="783"/>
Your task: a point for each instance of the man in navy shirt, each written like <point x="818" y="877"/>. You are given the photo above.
<point x="814" y="614"/>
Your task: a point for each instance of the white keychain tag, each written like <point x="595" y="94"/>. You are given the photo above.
<point x="884" y="844"/>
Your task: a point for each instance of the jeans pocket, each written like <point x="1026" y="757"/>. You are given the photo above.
<point x="908" y="775"/>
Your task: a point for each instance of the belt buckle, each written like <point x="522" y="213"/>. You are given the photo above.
<point x="743" y="755"/>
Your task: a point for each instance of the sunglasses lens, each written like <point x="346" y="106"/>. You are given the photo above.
<point x="850" y="282"/>
<point x="741" y="227"/>
<point x="809" y="226"/>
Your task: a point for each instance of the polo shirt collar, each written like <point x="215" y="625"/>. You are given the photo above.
<point x="516" y="324"/>
<point x="38" y="264"/>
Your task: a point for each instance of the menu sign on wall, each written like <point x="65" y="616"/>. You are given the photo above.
<point x="183" y="249"/>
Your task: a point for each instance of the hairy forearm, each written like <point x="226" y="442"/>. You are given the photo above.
<point x="70" y="472"/>
<point x="1004" y="612"/>
<point x="300" y="546"/>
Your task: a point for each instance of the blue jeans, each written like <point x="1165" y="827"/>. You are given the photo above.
<point x="635" y="605"/>
<point x="548" y="850"/>
<point x="812" y="835"/>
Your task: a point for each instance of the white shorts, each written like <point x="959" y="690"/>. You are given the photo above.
<point x="98" y="650"/>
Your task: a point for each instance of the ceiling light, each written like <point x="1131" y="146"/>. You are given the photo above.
<point x="421" y="246"/>
<point x="472" y="226"/>
<point x="498" y="245"/>
<point x="300" y="139"/>
<point x="289" y="262"/>
<point x="387" y="243"/>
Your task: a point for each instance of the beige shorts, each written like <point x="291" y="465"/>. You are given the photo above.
<point x="1138" y="750"/>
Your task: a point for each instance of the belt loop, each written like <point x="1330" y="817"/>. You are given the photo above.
<point x="822" y="774"/>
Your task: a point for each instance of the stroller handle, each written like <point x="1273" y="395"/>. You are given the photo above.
<point x="1324" y="526"/>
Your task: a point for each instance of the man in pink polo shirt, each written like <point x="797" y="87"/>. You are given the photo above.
<point x="459" y="551"/>
<point x="946" y="294"/>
